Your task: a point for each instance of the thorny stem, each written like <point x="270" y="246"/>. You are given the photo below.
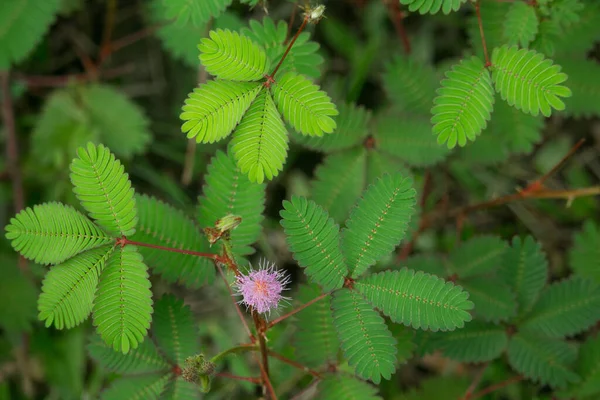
<point x="397" y="17"/>
<point x="124" y="241"/>
<point x="294" y="364"/>
<point x="485" y="51"/>
<point x="475" y="382"/>
<point x="304" y="22"/>
<point x="297" y="310"/>
<point x="497" y="386"/>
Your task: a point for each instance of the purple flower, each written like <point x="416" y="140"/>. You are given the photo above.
<point x="261" y="289"/>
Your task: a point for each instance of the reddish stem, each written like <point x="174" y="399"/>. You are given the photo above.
<point x="252" y="379"/>
<point x="297" y="310"/>
<point x="475" y="382"/>
<point x="294" y="364"/>
<point x="497" y="386"/>
<point x="483" y="42"/>
<point x="33" y="81"/>
<point x="124" y="241"/>
<point x="237" y="306"/>
<point x="292" y="18"/>
<point x="272" y="76"/>
<point x="397" y="17"/>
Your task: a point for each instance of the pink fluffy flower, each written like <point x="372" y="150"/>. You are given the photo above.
<point x="261" y="289"/>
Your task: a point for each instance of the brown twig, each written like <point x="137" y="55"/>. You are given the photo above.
<point x="124" y="241"/>
<point x="475" y="382"/>
<point x="287" y="50"/>
<point x="39" y="81"/>
<point x="291" y="23"/>
<point x="252" y="379"/>
<point x="295" y="364"/>
<point x="397" y="17"/>
<point x="497" y="386"/>
<point x="109" y="23"/>
<point x="135" y="37"/>
<point x="297" y="310"/>
<point x="483" y="42"/>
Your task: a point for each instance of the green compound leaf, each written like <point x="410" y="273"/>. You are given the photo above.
<point x="479" y="255"/>
<point x="19" y="294"/>
<point x="178" y="389"/>
<point x="352" y="128"/>
<point x="417" y="299"/>
<point x="543" y="360"/>
<point x="51" y="233"/>
<point x="494" y="301"/>
<point x="379" y="163"/>
<point x="565" y="308"/>
<point x="260" y="141"/>
<point x="587" y="368"/>
<point x="228" y="191"/>
<point x="584" y="256"/>
<point x="315" y="338"/>
<point x="24" y="23"/>
<point x="528" y="81"/>
<point x="213" y="110"/>
<point x="228" y="55"/>
<point x="175" y="329"/>
<point x="104" y="190"/>
<point x="525" y="270"/>
<point x="142" y="360"/>
<point x="195" y="12"/>
<point x="68" y="290"/>
<point x="464" y="103"/>
<point x="410" y="84"/>
<point x="585" y="101"/>
<point x="146" y="387"/>
<point x="378" y="222"/>
<point x="433" y="6"/>
<point x="123" y="305"/>
<point x="519" y="131"/>
<point x="409" y="140"/>
<point x="521" y="24"/>
<point x="427" y="263"/>
<point x="476" y="342"/>
<point x="307" y="109"/>
<point x="581" y="37"/>
<point x="314" y="239"/>
<point x="160" y="224"/>
<point x="345" y="387"/>
<point x="339" y="181"/>
<point x="365" y="338"/>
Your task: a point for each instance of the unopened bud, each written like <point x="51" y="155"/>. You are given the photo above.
<point x="197" y="370"/>
<point x="222" y="227"/>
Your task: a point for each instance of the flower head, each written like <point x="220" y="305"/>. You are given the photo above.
<point x="261" y="289"/>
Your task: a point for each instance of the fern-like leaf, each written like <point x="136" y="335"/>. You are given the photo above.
<point x="69" y="288"/>
<point x="260" y="141"/>
<point x="104" y="189"/>
<point x="178" y="389"/>
<point x="464" y="103"/>
<point x="380" y="163"/>
<point x="587" y="368"/>
<point x="345" y="387"/>
<point x="213" y="110"/>
<point x="340" y="180"/>
<point x="352" y="128"/>
<point x="228" y="55"/>
<point x="123" y="305"/>
<point x="584" y="256"/>
<point x="314" y="239"/>
<point x="303" y="105"/>
<point x="142" y="360"/>
<point x="494" y="301"/>
<point x="521" y="24"/>
<point x="542" y="359"/>
<point x="315" y="339"/>
<point x="479" y="255"/>
<point x="24" y="23"/>
<point x="519" y="131"/>
<point x="365" y="338"/>
<point x="141" y="387"/>
<point x="585" y="101"/>
<point x="476" y="342"/>
<point x="378" y="222"/>
<point x="408" y="139"/>
<point x="528" y="81"/>
<point x="581" y="37"/>
<point x="163" y="225"/>
<point x="426" y="263"/>
<point x="51" y="233"/>
<point x="175" y="330"/>
<point x="525" y="270"/>
<point x="410" y="84"/>
<point x="196" y="12"/>
<point x="433" y="6"/>
<point x="565" y="308"/>
<point x="228" y="191"/>
<point x="417" y="299"/>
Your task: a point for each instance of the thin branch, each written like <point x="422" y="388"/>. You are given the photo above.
<point x="135" y="37"/>
<point x="109" y="23"/>
<point x="252" y="379"/>
<point x="237" y="306"/>
<point x="291" y="23"/>
<point x="304" y="22"/>
<point x="124" y="241"/>
<point x="397" y="17"/>
<point x="33" y="81"/>
<point x="497" y="386"/>
<point x="483" y="42"/>
<point x="475" y="382"/>
<point x="300" y="308"/>
<point x="295" y="364"/>
<point x="12" y="150"/>
<point x="539" y="182"/>
<point x="259" y="323"/>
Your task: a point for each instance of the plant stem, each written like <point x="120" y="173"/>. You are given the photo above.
<point x="304" y="22"/>
<point x="239" y="378"/>
<point x="237" y="349"/>
<point x="292" y="18"/>
<point x="259" y="323"/>
<point x="33" y="81"/>
<point x="475" y="382"/>
<point x="109" y="23"/>
<point x="497" y="386"/>
<point x="124" y="241"/>
<point x="539" y="182"/>
<point x="397" y="18"/>
<point x="483" y="42"/>
<point x="294" y="364"/>
<point x="300" y="308"/>
<point x="237" y="306"/>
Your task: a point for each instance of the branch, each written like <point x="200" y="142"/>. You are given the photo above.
<point x="397" y="17"/>
<point x="33" y="81"/>
<point x="297" y="310"/>
<point x="124" y="241"/>
<point x="475" y="382"/>
<point x="237" y="306"/>
<point x="109" y="23"/>
<point x="497" y="386"/>
<point x="479" y="22"/>
<point x="295" y="364"/>
<point x="239" y="378"/>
